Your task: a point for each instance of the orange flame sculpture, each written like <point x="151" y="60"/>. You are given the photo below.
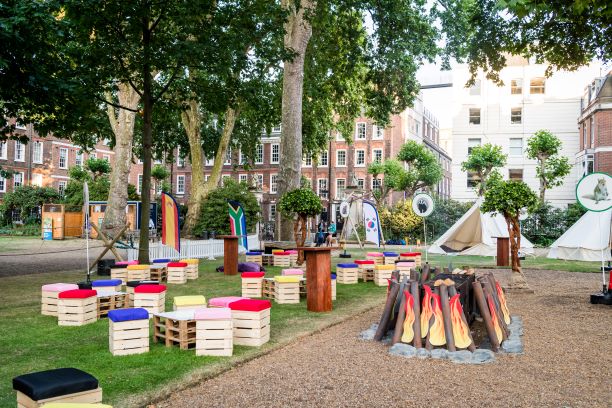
<point x="461" y="331"/>
<point x="494" y="318"/>
<point x="426" y="311"/>
<point x="408" y="334"/>
<point x="436" y="331"/>
<point x="502" y="302"/>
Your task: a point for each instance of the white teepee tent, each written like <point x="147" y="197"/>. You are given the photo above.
<point x="476" y="233"/>
<point x="586" y="239"/>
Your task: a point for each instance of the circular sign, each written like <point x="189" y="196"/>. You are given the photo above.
<point x="592" y="192"/>
<point x="422" y="205"/>
<point x="345" y="209"/>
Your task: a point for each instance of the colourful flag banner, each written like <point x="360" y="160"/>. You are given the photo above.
<point x="371" y="222"/>
<point x="170" y="222"/>
<point x="238" y="222"/>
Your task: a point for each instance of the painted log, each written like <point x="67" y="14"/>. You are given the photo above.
<point x="446" y="314"/>
<point x="386" y="316"/>
<point x="483" y="308"/>
<point x="415" y="291"/>
<point x="425" y="273"/>
<point x="461" y="329"/>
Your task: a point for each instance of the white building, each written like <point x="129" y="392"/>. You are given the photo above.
<point x="509" y="115"/>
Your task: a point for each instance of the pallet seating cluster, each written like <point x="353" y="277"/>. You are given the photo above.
<point x="108" y="285"/>
<point x="365" y="269"/>
<point x="377" y="257"/>
<point x="347" y="273"/>
<point x="214" y="332"/>
<point x="192" y="269"/>
<point x="49" y="296"/>
<point x="61" y="385"/>
<point x="382" y="274"/>
<point x="282" y="259"/>
<point x="255" y="257"/>
<point x="177" y="273"/>
<point x="138" y="272"/>
<point x="404" y="268"/>
<point x="188" y="302"/>
<point x="176" y="328"/>
<point x="159" y="269"/>
<point x="411" y="256"/>
<point x="287" y="289"/>
<point x="150" y="297"/>
<point x="110" y="300"/>
<point x="390" y="258"/>
<point x="252" y="284"/>
<point x="251" y="321"/>
<point x="77" y="307"/>
<point x="129" y="289"/>
<point x="128" y="331"/>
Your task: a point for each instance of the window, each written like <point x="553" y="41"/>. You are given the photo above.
<point x="272" y="211"/>
<point x="584" y="135"/>
<point x="361" y="183"/>
<point x="37" y="152"/>
<point x="243" y="178"/>
<point x="19" y="151"/>
<point x="322" y="188"/>
<point x="37" y="179"/>
<point x="339" y="137"/>
<point x="2" y="184"/>
<point x="139" y="186"/>
<point x="340" y="185"/>
<point x="206" y="177"/>
<point x="537" y="86"/>
<point x="341" y="158"/>
<point x="516" y="147"/>
<point x="3" y="149"/>
<point x="20" y="126"/>
<point x="275" y="153"/>
<point x="259" y="181"/>
<point x="228" y="156"/>
<point x="17" y="179"/>
<point x="78" y="158"/>
<point x="377" y="155"/>
<point x="95" y="156"/>
<point x="516" y="116"/>
<point x="376" y="184"/>
<point x="360" y="132"/>
<point x="472" y="143"/>
<point x="324" y="159"/>
<point x="588" y="164"/>
<point x="61" y="187"/>
<point x="242" y="157"/>
<point x="592" y="132"/>
<point x="209" y="162"/>
<point x="277" y="129"/>
<point x="472" y="179"/>
<point x="106" y="142"/>
<point x="474" y="116"/>
<point x="63" y="158"/>
<point x="360" y="157"/>
<point x="259" y="154"/>
<point x="308" y="160"/>
<point x="516" y="86"/>
<point x="107" y="157"/>
<point x="224" y="179"/>
<point x="475" y="89"/>
<point x="273" y="183"/>
<point x="515" y="174"/>
<point x="377" y="132"/>
<point x="180" y="184"/>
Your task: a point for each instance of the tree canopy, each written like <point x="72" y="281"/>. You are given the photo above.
<point x="423" y="167"/>
<point x="483" y="160"/>
<point x="545" y="147"/>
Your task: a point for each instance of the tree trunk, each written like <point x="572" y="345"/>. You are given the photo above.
<point x="122" y="124"/>
<point x="517" y="280"/>
<point x="542" y="179"/>
<point x="297" y="34"/>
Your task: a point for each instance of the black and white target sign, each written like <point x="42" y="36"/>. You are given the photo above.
<point x="423" y="205"/>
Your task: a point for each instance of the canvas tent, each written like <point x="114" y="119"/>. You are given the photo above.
<point x="586" y="239"/>
<point x="476" y="233"/>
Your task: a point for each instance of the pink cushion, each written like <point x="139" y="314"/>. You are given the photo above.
<point x="224" y="301"/>
<point x="77" y="294"/>
<point x="214" y="313"/>
<point x="405" y="264"/>
<point x="292" y="251"/>
<point x="375" y="254"/>
<point x="287" y="272"/>
<point x="126" y="263"/>
<point x="253" y="274"/>
<point x="59" y="287"/>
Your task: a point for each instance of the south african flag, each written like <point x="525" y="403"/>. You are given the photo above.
<point x="238" y="222"/>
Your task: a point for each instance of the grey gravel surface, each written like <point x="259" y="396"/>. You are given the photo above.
<point x="566" y="363"/>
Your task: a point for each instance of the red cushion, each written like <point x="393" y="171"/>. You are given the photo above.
<point x="250" y="305"/>
<point x="253" y="274"/>
<point x="410" y="254"/>
<point x="177" y="264"/>
<point x="281" y="253"/>
<point x="77" y="294"/>
<point x="150" y="289"/>
<point x="364" y="262"/>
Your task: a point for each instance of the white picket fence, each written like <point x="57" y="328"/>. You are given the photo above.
<point x="208" y="248"/>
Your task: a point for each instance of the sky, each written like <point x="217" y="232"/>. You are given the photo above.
<point x="438" y="100"/>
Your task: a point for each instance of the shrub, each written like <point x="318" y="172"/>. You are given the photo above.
<point x="26" y="200"/>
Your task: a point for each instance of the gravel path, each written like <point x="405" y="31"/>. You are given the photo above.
<point x="566" y="363"/>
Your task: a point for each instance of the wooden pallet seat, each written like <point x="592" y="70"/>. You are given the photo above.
<point x="49" y="296"/>
<point x="128" y="331"/>
<point x="77" y="307"/>
<point x="107" y="284"/>
<point x="189" y="302"/>
<point x="214" y="332"/>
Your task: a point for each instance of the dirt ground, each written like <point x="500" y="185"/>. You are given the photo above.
<point x="567" y="363"/>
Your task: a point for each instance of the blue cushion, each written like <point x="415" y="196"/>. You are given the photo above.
<point x="125" y="315"/>
<point x="390" y="254"/>
<point x="253" y="253"/>
<point x="348" y="265"/>
<point x="161" y="260"/>
<point x="333" y="276"/>
<point x="54" y="383"/>
<point x="106" y="282"/>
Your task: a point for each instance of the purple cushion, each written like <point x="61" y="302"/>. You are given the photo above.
<point x="246" y="267"/>
<point x="125" y="315"/>
<point x="348" y="265"/>
<point x="106" y="282"/>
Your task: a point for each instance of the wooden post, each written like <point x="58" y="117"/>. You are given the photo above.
<point x="503" y="251"/>
<point x="446" y="315"/>
<point x="230" y="254"/>
<point x="416" y="295"/>
<point x="486" y="316"/>
<point x="318" y="278"/>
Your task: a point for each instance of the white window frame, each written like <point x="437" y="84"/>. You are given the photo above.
<point x="139" y="184"/>
<point x="516" y="119"/>
<point x="512" y="152"/>
<point x="259" y="181"/>
<point x="516" y="86"/>
<point x="37" y="156"/>
<point x="78" y="158"/>
<point x="272" y="146"/>
<point x="272" y="211"/>
<point x="20" y="126"/>
<point x="210" y="162"/>
<point x="473" y="116"/>
<point x="374" y="155"/>
<point x="471" y="144"/>
<point x="243" y="178"/>
<point x="533" y="87"/>
<point x="178" y="184"/>
<point x="228" y="157"/>
<point x="3" y="150"/>
<point x="242" y="157"/>
<point x="61" y="187"/>
<point x="37" y="179"/>
<point x="19" y="147"/>
<point x="338" y="160"/>
<point x="338" y="187"/>
<point x="324" y="159"/>
<point x="376" y="183"/>
<point x="21" y="177"/>
<point x="307" y="160"/>
<point x="273" y="183"/>
<point x="259" y="154"/>
<point x="95" y="156"/>
<point x="277" y="129"/>
<point x="358" y="126"/>
<point x="107" y="157"/>
<point x="2" y="184"/>
<point x="59" y="159"/>
<point x="357" y="164"/>
<point x="378" y="133"/>
<point x="361" y="183"/>
<point x="326" y="187"/>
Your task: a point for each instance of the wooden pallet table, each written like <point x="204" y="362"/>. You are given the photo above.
<point x="267" y="291"/>
<point x="159" y="272"/>
<point x="176" y="328"/>
<point x="110" y="300"/>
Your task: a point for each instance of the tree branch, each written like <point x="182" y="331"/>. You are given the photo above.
<point x="116" y="105"/>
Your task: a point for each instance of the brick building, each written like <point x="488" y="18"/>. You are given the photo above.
<point x="595" y="126"/>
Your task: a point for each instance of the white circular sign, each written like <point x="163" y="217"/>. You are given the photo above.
<point x="345" y="209"/>
<point x="422" y="204"/>
<point x="594" y="192"/>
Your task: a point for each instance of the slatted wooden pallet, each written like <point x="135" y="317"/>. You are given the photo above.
<point x="130" y="337"/>
<point x="258" y="259"/>
<point x="119" y="273"/>
<point x="153" y="302"/>
<point x="390" y="260"/>
<point x="287" y="292"/>
<point x="214" y="337"/>
<point x="267" y="259"/>
<point x="347" y="276"/>
<point x="48" y="303"/>
<point x="111" y="302"/>
<point x="159" y="274"/>
<point x="252" y="287"/>
<point x="282" y="260"/>
<point x="268" y="286"/>
<point x="251" y="328"/>
<point x="174" y="332"/>
<point x="77" y="312"/>
<point x="177" y="275"/>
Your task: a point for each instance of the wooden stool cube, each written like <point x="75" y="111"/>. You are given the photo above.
<point x="287" y="289"/>
<point x="411" y="256"/>
<point x="159" y="272"/>
<point x="382" y="273"/>
<point x="128" y="331"/>
<point x="293" y="256"/>
<point x="77" y="307"/>
<point x="176" y="328"/>
<point x="254" y="257"/>
<point x="107" y="301"/>
<point x="49" y="296"/>
<point x="107" y="285"/>
<point x="377" y="257"/>
<point x="365" y="271"/>
<point x="214" y="332"/>
<point x="129" y="289"/>
<point x="150" y="297"/>
<point x="252" y="284"/>
<point x="390" y="258"/>
<point x="347" y="273"/>
<point x="177" y="273"/>
<point x="251" y="322"/>
<point x="223" y="301"/>
<point x="188" y="302"/>
<point x="119" y="272"/>
<point x="138" y="272"/>
<point x="193" y="267"/>
<point x="333" y="285"/>
<point x="404" y="268"/>
<point x="267" y="259"/>
<point x="267" y="291"/>
<point x="282" y="259"/>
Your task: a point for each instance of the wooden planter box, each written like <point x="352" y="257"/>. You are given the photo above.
<point x="214" y="332"/>
<point x="251" y="327"/>
<point x="49" y="297"/>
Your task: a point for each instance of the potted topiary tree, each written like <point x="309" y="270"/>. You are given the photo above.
<point x="300" y="204"/>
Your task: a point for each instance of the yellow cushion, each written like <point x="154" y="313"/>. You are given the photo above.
<point x="194" y="300"/>
<point x="190" y="261"/>
<point x="139" y="267"/>
<point x="287" y="279"/>
<point x="384" y="267"/>
<point x="277" y="250"/>
<point x="74" y="405"/>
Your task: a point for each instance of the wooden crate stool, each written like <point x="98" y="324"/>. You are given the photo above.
<point x="188" y="302"/>
<point x="150" y="297"/>
<point x="255" y="257"/>
<point x="411" y="256"/>
<point x="333" y="285"/>
<point x="107" y="285"/>
<point x="382" y="273"/>
<point x="390" y="258"/>
<point x="268" y="285"/>
<point x="177" y="272"/>
<point x="214" y="332"/>
<point x="128" y="331"/>
<point x="77" y="307"/>
<point x="252" y="284"/>
<point x="366" y="269"/>
<point x="404" y="268"/>
<point x="377" y="257"/>
<point x="223" y="301"/>
<point x="282" y="259"/>
<point x="347" y="273"/>
<point x="68" y="385"/>
<point x="107" y="301"/>
<point x="176" y="328"/>
<point x="192" y="270"/>
<point x="292" y="272"/>
<point x="303" y="287"/>
<point x="129" y="289"/>
<point x="287" y="289"/>
<point x="159" y="272"/>
<point x="267" y="259"/>
<point x="293" y="256"/>
<point x="251" y="321"/>
<point x="119" y="272"/>
<point x="49" y="295"/>
<point x="138" y="272"/>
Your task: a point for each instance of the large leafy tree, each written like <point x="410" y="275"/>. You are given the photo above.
<point x="483" y="160"/>
<point x="545" y="147"/>
<point x="423" y="169"/>
<point x="394" y="178"/>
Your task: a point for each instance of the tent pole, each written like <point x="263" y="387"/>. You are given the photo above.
<point x="425" y="238"/>
<point x="603" y="270"/>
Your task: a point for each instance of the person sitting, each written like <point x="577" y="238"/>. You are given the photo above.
<point x="331" y="230"/>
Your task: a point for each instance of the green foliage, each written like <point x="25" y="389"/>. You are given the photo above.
<point x="543" y="144"/>
<point x="399" y="221"/>
<point x="95" y="173"/>
<point x="509" y="198"/>
<point x="423" y="167"/>
<point x="133" y="193"/>
<point x="98" y="167"/>
<point x="545" y="147"/>
<point x="215" y="210"/>
<point x="482" y="160"/>
<point x="301" y="201"/>
<point x="25" y="200"/>
<point x="160" y="172"/>
<point x="394" y="177"/>
<point x="548" y="223"/>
